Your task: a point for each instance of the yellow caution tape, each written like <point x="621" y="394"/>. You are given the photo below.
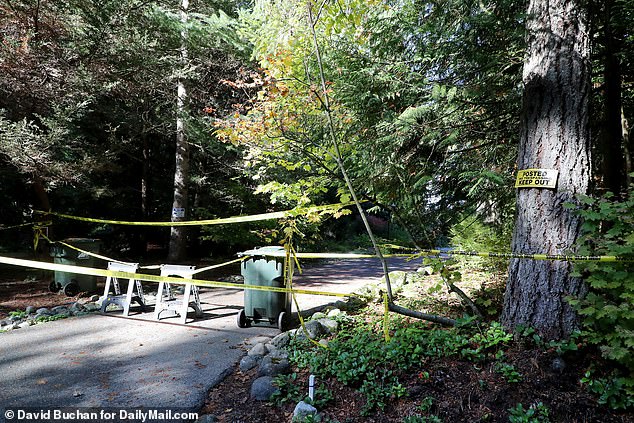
<point x="221" y="221"/>
<point x="154" y="278"/>
<point x="215" y="266"/>
<point x="563" y="257"/>
<point x="41" y="223"/>
<point x="149" y="267"/>
<point x="458" y="252"/>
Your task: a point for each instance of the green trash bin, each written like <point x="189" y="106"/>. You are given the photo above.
<point x="264" y="267"/>
<point x="72" y="283"/>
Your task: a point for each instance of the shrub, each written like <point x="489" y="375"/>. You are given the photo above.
<point x="608" y="308"/>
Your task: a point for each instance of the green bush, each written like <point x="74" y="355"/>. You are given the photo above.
<point x="361" y="358"/>
<point x="608" y="308"/>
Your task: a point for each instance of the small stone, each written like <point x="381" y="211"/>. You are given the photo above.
<point x="248" y="362"/>
<point x="259" y="339"/>
<point x="323" y="342"/>
<point x="59" y="309"/>
<point x="334" y="312"/>
<point x="77" y="306"/>
<point x="318" y="315"/>
<point x="263" y="389"/>
<point x="5" y="322"/>
<point x="23" y="325"/>
<point x="44" y="312"/>
<point x="258" y="349"/>
<point x="91" y="307"/>
<point x="558" y="365"/>
<point x="77" y="394"/>
<point x="425" y="270"/>
<point x="30" y="310"/>
<point x="303" y="409"/>
<point x="270" y="348"/>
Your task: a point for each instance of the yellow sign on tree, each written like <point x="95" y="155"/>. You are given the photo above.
<point x="536" y="178"/>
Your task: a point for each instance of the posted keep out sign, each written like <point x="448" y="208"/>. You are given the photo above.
<point x="536" y="178"/>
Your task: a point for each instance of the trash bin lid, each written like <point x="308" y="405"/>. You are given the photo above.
<point x="270" y="251"/>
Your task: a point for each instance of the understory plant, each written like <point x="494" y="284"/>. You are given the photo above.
<point x="361" y="357"/>
<point x="608" y="308"/>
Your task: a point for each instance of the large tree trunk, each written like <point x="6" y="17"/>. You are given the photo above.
<point x="554" y="135"/>
<point x="178" y="235"/>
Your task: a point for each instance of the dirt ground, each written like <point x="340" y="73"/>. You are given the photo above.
<point x="18" y="293"/>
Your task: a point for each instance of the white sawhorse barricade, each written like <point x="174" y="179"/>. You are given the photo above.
<point x="165" y="299"/>
<point x="122" y="300"/>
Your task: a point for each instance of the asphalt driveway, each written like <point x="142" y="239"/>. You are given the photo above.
<point x="111" y="362"/>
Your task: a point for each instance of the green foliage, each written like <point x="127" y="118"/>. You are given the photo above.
<point x="488" y="342"/>
<point x="608" y="309"/>
<point x="44" y="319"/>
<point x="359" y="356"/>
<point x="415" y="418"/>
<point x="536" y="413"/>
<point x="472" y="234"/>
<point x="614" y="391"/>
<point x="18" y="313"/>
<point x="289" y="391"/>
<point x="509" y="372"/>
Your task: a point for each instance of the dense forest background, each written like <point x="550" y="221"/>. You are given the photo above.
<point x="426" y="99"/>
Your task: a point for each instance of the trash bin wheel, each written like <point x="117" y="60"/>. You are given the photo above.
<point x="71" y="289"/>
<point x="282" y="321"/>
<point x="242" y="320"/>
<point x="54" y="287"/>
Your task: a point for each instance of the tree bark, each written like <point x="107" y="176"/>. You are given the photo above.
<point x="178" y="234"/>
<point x="554" y="135"/>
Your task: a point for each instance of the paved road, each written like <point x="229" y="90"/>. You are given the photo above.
<point x="115" y="362"/>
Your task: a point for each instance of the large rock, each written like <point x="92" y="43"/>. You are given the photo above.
<point x="30" y="310"/>
<point x="59" y="310"/>
<point x="282" y="340"/>
<point x="248" y="362"/>
<point x="263" y="389"/>
<point x="314" y="330"/>
<point x="273" y="366"/>
<point x="278" y="354"/>
<point x="258" y="349"/>
<point x="330" y="326"/>
<point x="44" y="312"/>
